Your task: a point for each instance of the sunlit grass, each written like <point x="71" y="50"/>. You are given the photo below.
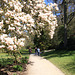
<point x="64" y="60"/>
<point x="24" y="53"/>
<point x="5" y="55"/>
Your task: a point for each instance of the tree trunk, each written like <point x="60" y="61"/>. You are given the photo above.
<point x="65" y="24"/>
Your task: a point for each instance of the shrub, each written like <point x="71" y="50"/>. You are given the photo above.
<point x="18" y="67"/>
<point x="24" y="60"/>
<point x="5" y="62"/>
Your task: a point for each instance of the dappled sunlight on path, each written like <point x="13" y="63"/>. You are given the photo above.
<point x="41" y="66"/>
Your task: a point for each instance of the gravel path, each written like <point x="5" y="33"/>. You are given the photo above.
<point x="41" y="66"/>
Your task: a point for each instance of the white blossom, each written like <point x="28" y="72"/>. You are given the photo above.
<point x="35" y="14"/>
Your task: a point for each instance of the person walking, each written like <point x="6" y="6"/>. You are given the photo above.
<point x="38" y="49"/>
<point x="30" y="50"/>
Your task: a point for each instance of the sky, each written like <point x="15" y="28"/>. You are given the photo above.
<point x="47" y="1"/>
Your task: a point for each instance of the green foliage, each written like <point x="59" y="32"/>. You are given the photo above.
<point x="24" y="60"/>
<point x="60" y="32"/>
<point x="7" y="60"/>
<point x="18" y="67"/>
<point x="4" y="62"/>
<point x="71" y="43"/>
<point x="29" y="42"/>
<point x="10" y="61"/>
<point x="58" y="38"/>
<point x="24" y="51"/>
<point x="44" y="41"/>
<point x="14" y="74"/>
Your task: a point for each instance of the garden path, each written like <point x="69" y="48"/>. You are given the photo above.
<point x="41" y="66"/>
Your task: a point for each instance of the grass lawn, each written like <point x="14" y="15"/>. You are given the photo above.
<point x="24" y="52"/>
<point x="4" y="55"/>
<point x="64" y="60"/>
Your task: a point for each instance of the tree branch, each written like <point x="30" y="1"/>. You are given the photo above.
<point x="72" y="16"/>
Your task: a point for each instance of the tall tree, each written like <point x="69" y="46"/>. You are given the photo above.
<point x="66" y="14"/>
<point x="65" y="23"/>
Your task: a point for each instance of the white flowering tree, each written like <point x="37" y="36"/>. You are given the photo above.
<point x="19" y="17"/>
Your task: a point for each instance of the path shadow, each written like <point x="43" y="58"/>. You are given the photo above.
<point x="31" y="63"/>
<point x="55" y="53"/>
<point x="3" y="73"/>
